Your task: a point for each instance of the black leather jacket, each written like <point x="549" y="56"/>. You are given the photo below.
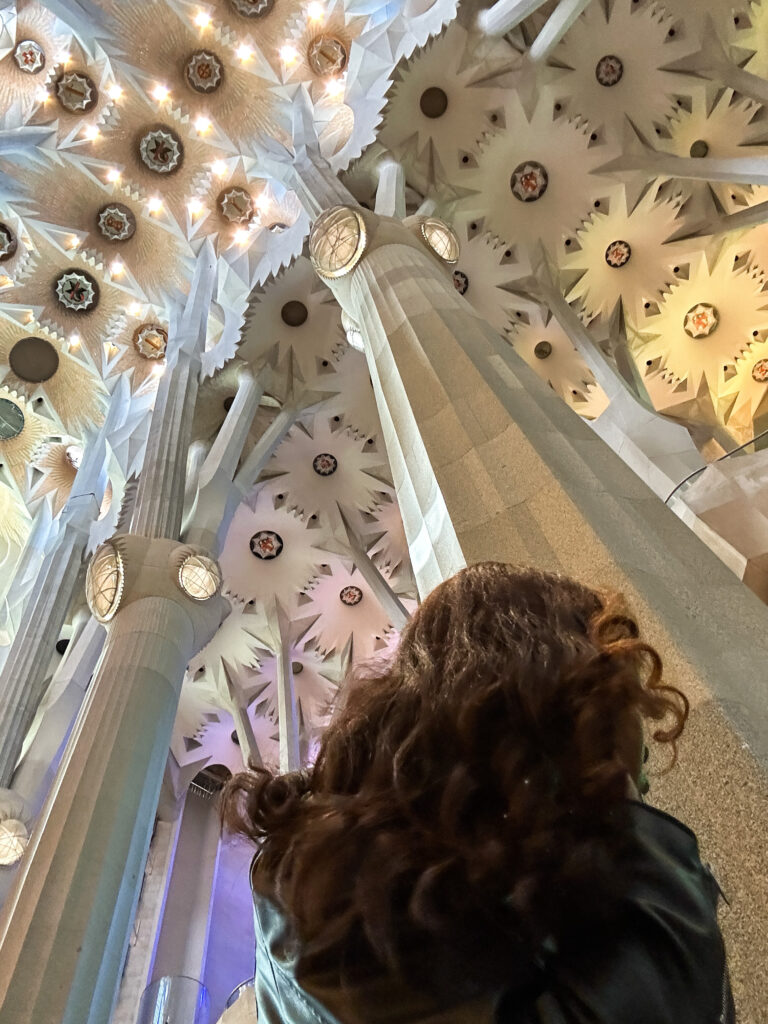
<point x="663" y="964"/>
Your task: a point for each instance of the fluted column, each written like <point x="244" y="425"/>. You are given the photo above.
<point x="489" y="463"/>
<point x="16" y="585"/>
<point x="65" y="926"/>
<point x="23" y="676"/>
<point x="211" y="516"/>
<point x="160" y="496"/>
<point x="64" y="929"/>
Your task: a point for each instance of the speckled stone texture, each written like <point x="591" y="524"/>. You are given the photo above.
<point x="470" y="430"/>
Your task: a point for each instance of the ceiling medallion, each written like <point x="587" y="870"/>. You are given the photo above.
<point x="351" y="596"/>
<point x="29" y="56"/>
<point x="8" y="244"/>
<point x="542" y="349"/>
<point x="116" y="222"/>
<point x="266" y="544"/>
<point x="77" y="290"/>
<point x="700" y="320"/>
<point x="609" y="70"/>
<point x="760" y="371"/>
<point x="203" y="71"/>
<point x="327" y="55"/>
<point x="325" y="464"/>
<point x="76" y="92"/>
<point x="253" y="8"/>
<point x="162" y="150"/>
<point x="33" y="359"/>
<point x="150" y="341"/>
<point x="529" y="181"/>
<point x="441" y="239"/>
<point x="617" y="254"/>
<point x="337" y="241"/>
<point x="460" y="282"/>
<point x="11" y="419"/>
<point x="236" y="205"/>
<point x="199" y="577"/>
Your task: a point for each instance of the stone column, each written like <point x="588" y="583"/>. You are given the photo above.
<point x="183" y="938"/>
<point x="65" y="927"/>
<point x="16" y="585"/>
<point x="212" y="513"/>
<point x="22" y="680"/>
<point x="489" y="463"/>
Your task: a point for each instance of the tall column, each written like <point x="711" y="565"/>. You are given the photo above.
<point x="287" y="710"/>
<point x="160" y="495"/>
<point x="65" y="696"/>
<point x="209" y="521"/>
<point x="183" y="938"/>
<point x="16" y="585"/>
<point x="23" y="676"/>
<point x="489" y="463"/>
<point x="65" y="926"/>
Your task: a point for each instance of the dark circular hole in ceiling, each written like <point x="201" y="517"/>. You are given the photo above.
<point x="62" y="645"/>
<point x="433" y="102"/>
<point x="699" y="148"/>
<point x="34" y="360"/>
<point x="543" y="349"/>
<point x="294" y="313"/>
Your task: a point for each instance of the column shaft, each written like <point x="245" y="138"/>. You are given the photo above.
<point x="22" y="680"/>
<point x="64" y="929"/>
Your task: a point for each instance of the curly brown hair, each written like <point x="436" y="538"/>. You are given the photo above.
<point x="467" y="800"/>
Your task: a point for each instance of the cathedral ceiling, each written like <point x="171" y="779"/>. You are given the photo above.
<point x="131" y="135"/>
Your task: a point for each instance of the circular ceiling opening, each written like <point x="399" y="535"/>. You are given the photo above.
<point x="699" y="149"/>
<point x="34" y="360"/>
<point x="433" y="102"/>
<point x="294" y="313"/>
<point x="543" y="349"/>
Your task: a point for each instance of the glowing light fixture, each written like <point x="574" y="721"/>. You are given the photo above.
<point x="195" y="207"/>
<point x="104" y="582"/>
<point x="219" y="168"/>
<point x="337" y="241"/>
<point x="154" y="204"/>
<point x="289" y="54"/>
<point x="243" y="52"/>
<point x="74" y="341"/>
<point x="202" y="125"/>
<point x="113" y="174"/>
<point x="160" y="93"/>
<point x="315" y="11"/>
<point x="202" y="20"/>
<point x="13" y="840"/>
<point x="114" y="91"/>
<point x="199" y="577"/>
<point x="116" y="267"/>
<point x="334" y="88"/>
<point x="91" y="132"/>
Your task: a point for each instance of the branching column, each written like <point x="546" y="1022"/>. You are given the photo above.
<point x="23" y="677"/>
<point x="64" y="929"/>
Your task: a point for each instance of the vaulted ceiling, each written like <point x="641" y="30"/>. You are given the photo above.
<point x="131" y="134"/>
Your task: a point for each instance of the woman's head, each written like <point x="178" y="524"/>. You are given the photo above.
<point x="469" y="794"/>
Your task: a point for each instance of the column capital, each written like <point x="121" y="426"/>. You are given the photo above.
<point x="129" y="568"/>
<point x="343" y="238"/>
